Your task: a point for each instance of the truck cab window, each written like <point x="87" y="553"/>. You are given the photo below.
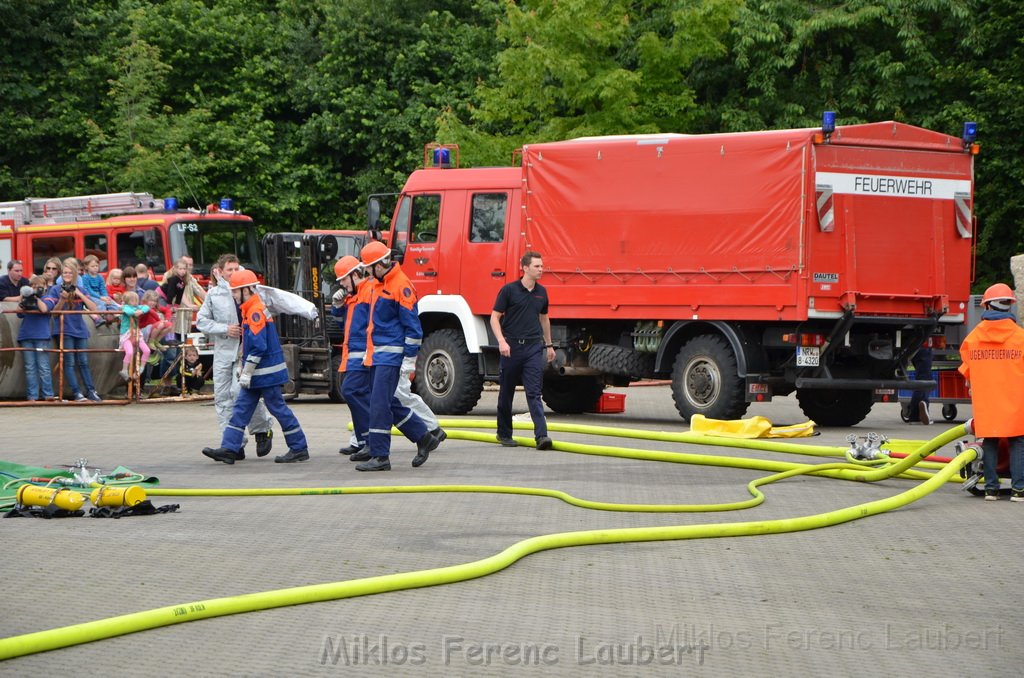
<point x="424" y="215"/>
<point x="487" y="221"/>
<point x="141" y="247"/>
<point x="61" y="247"/>
<point x="97" y="244"/>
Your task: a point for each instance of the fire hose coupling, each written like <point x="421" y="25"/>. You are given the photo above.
<point x="82" y="474"/>
<point x="975" y="470"/>
<point x="867" y="447"/>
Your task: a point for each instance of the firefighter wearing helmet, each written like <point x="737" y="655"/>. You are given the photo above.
<point x="394" y="335"/>
<point x="352" y="307"/>
<point x="219" y="320"/>
<point x="993" y="364"/>
<point x="263" y="373"/>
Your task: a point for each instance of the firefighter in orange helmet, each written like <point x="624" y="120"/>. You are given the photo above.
<point x="264" y="371"/>
<point x="352" y="308"/>
<point x="394" y="333"/>
<point x="993" y="364"/>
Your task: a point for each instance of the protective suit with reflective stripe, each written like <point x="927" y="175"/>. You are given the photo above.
<point x="263" y="372"/>
<point x="261" y="346"/>
<point x="215" y="315"/>
<point x="394" y="330"/>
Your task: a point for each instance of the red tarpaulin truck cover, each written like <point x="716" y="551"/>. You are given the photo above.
<point x="760" y="225"/>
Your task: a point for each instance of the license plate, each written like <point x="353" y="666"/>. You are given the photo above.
<point x="808" y="356"/>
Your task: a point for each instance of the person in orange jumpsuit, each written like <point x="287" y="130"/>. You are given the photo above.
<point x="993" y="364"/>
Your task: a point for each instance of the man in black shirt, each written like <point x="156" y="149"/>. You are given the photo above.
<point x="11" y="284"/>
<point x="520" y="323"/>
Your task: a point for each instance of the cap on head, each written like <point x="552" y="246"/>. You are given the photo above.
<point x="999" y="297"/>
<point x="375" y="252"/>
<point x="345" y="266"/>
<point x="242" y="279"/>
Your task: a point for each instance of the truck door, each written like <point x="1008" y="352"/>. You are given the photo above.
<point x="416" y="231"/>
<point x="485" y="266"/>
<point x="903" y="249"/>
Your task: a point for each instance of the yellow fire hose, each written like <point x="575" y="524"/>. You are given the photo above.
<point x="76" y="634"/>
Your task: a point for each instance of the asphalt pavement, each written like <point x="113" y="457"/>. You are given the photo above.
<point x="926" y="589"/>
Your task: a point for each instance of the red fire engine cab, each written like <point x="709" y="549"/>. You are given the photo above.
<point x="124" y="229"/>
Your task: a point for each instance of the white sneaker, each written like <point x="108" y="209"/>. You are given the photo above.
<point x="124" y="374"/>
<point x="922" y="413"/>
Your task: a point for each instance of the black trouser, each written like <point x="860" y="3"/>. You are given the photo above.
<point x="524" y="364"/>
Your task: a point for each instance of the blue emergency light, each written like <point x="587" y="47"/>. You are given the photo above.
<point x="828" y="122"/>
<point x="970" y="133"/>
<point x="170" y="204"/>
<point x="227" y="205"/>
<point x="442" y="157"/>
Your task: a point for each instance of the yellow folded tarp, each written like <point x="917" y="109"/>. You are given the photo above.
<point x="754" y="427"/>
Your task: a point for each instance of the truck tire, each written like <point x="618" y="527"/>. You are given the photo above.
<point x="620" y="361"/>
<point x="705" y="380"/>
<point x="447" y="376"/>
<point x="572" y="395"/>
<point x="834" y="407"/>
<point x="336" y="378"/>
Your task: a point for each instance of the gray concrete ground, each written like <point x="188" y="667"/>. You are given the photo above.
<point x="929" y="589"/>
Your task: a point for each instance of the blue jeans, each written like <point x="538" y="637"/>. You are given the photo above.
<point x="525" y="363"/>
<point x="990" y="457"/>
<point x="37" y="368"/>
<point x="922" y="362"/>
<point x="81" y="360"/>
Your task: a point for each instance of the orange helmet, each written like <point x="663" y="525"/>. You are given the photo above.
<point x="375" y="252"/>
<point x="346" y="265"/>
<point x="1000" y="292"/>
<point x="243" y="278"/>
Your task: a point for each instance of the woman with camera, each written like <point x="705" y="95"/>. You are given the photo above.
<point x="34" y="338"/>
<point x="66" y="296"/>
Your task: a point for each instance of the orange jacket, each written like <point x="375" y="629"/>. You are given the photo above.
<point x="993" y="364"/>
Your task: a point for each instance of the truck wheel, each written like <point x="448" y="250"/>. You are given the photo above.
<point x="447" y="376"/>
<point x="705" y="380"/>
<point x="336" y="378"/>
<point x="834" y="407"/>
<point x="572" y="395"/>
<point x="620" y="361"/>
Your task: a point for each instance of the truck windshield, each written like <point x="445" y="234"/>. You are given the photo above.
<point x="206" y="239"/>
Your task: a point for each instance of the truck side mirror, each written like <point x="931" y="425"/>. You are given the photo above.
<point x="373" y="214"/>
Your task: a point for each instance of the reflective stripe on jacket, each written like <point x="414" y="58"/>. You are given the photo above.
<point x="394" y="330"/>
<point x="261" y="346"/>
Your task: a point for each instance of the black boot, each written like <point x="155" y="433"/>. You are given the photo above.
<point x="424" y="446"/>
<point x="222" y="454"/>
<point x="351" y="449"/>
<point x="362" y="455"/>
<point x="375" y="464"/>
<point x="264" y="443"/>
<point x="292" y="456"/>
<point x="440" y="434"/>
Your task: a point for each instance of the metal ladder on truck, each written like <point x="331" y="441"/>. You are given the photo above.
<point x="78" y="208"/>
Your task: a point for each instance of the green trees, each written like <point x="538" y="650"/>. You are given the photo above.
<point x="300" y="110"/>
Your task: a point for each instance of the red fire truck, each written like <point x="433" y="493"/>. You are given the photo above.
<point x="124" y="229"/>
<point x="740" y="266"/>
